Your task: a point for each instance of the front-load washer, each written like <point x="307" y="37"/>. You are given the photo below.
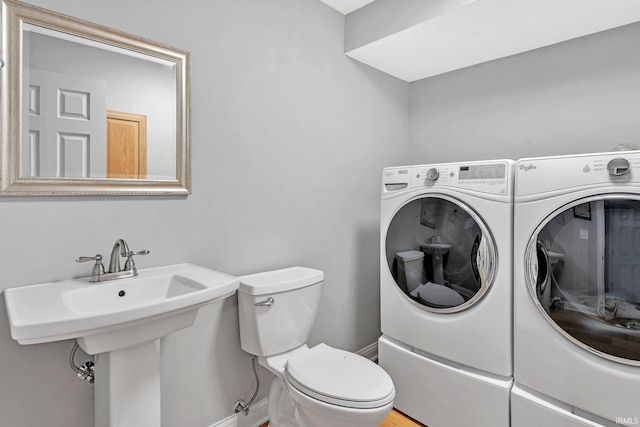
<point x="577" y="282"/>
<point x="446" y="290"/>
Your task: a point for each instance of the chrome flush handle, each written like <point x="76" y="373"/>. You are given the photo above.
<point x="267" y="303"/>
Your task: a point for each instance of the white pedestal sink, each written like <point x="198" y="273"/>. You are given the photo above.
<point x="437" y="252"/>
<point x="121" y="322"/>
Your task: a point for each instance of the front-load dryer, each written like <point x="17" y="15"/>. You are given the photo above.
<point x="577" y="284"/>
<point x="446" y="290"/>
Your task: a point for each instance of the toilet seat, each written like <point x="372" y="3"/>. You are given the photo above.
<point x="439" y="296"/>
<point x="340" y="378"/>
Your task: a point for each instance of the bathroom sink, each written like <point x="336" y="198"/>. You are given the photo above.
<point x="554" y="257"/>
<point x="118" y="314"/>
<point x="435" y="248"/>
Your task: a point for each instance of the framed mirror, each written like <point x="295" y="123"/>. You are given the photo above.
<point x="88" y="110"/>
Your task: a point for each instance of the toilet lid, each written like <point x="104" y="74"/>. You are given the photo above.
<point x="407" y="256"/>
<point x="339" y="377"/>
<point x="439" y="296"/>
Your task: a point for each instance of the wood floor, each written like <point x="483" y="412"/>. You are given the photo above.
<point x="398" y="419"/>
<point x="394" y="419"/>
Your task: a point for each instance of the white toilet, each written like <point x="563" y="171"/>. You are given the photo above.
<point x="410" y="266"/>
<point x="313" y="387"/>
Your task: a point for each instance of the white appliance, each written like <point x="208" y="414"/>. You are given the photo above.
<point x="446" y="291"/>
<point x="532" y="409"/>
<point x="312" y="387"/>
<point x="577" y="285"/>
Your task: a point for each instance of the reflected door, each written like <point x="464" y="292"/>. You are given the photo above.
<point x="126" y="145"/>
<point x="64" y="122"/>
<point x="583" y="271"/>
<point x="623" y="249"/>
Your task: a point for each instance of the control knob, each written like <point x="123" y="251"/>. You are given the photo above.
<point x="619" y="167"/>
<point x="433" y="175"/>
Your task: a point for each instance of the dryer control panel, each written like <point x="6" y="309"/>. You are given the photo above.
<point x="481" y="177"/>
<point x="492" y="177"/>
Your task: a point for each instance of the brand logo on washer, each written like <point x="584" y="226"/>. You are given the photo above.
<point x="528" y="167"/>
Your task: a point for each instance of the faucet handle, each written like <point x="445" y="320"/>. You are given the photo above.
<point x="132" y="253"/>
<point x="129" y="263"/>
<point x="96" y="258"/>
<point x="98" y="267"/>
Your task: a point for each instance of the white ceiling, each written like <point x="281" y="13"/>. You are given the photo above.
<point x="485" y="30"/>
<point x="346" y="6"/>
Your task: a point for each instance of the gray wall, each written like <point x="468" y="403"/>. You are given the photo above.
<point x="574" y="97"/>
<point x="289" y="138"/>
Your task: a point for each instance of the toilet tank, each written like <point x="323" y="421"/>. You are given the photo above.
<point x="277" y="309"/>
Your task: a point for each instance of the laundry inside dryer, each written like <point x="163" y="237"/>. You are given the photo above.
<point x="584" y="273"/>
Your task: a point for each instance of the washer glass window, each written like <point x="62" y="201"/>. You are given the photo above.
<point x="440" y="253"/>
<point x="583" y="271"/>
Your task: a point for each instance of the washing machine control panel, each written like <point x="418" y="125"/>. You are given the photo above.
<point x="551" y="174"/>
<point x="484" y="177"/>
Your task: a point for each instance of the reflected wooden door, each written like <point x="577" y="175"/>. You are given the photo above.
<point x="126" y="145"/>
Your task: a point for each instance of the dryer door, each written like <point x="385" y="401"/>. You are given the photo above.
<point x="583" y="273"/>
<point x="440" y="253"/>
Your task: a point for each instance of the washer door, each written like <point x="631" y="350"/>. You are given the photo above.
<point x="583" y="272"/>
<point x="440" y="253"/>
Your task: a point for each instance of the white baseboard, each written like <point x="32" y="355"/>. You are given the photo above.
<point x="258" y="412"/>
<point x="370" y="351"/>
<point x="256" y="417"/>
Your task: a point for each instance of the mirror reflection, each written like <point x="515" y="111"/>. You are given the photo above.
<point x="95" y="111"/>
<point x="435" y="248"/>
<point x="88" y="110"/>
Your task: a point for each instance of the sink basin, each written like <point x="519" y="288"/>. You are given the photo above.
<point x="435" y="248"/>
<point x="118" y="314"/>
<point x="121" y="323"/>
<point x="129" y="295"/>
<point x="554" y="257"/>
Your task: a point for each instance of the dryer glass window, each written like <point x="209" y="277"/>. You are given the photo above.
<point x="440" y="253"/>
<point x="584" y="273"/>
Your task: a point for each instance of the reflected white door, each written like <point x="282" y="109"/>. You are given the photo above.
<point x="622" y="249"/>
<point x="64" y="126"/>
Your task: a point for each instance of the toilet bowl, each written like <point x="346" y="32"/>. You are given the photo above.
<point x="312" y="387"/>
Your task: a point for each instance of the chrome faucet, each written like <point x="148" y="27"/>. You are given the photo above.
<point x="114" y="262"/>
<point x="120" y="249"/>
